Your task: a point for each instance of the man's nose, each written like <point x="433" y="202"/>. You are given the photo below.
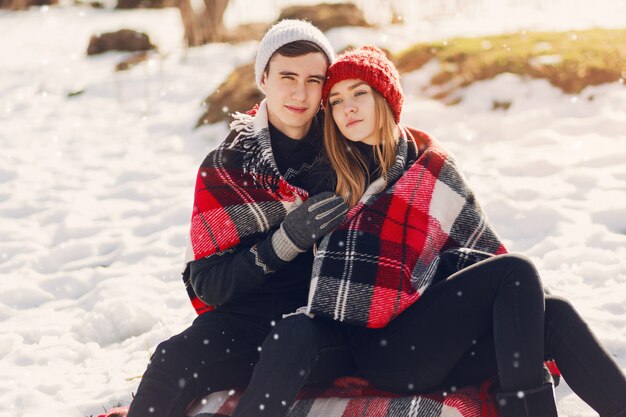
<point x="299" y="92"/>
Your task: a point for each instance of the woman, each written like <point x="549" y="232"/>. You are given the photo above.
<point x="428" y="297"/>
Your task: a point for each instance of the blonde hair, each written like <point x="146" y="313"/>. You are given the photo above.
<point x="350" y="168"/>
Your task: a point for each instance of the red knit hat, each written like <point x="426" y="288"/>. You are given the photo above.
<point x="367" y="63"/>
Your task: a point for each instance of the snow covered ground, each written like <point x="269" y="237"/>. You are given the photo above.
<point x="96" y="191"/>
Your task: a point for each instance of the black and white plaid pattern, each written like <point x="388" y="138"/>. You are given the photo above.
<point x="425" y="225"/>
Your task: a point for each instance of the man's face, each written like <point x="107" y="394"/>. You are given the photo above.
<point x="293" y="89"/>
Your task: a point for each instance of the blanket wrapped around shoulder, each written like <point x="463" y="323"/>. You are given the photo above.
<point x="239" y="195"/>
<point x="421" y="226"/>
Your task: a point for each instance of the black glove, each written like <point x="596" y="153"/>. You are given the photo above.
<point x="307" y="223"/>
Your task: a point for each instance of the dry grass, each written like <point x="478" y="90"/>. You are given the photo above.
<point x="569" y="60"/>
<point x="237" y="93"/>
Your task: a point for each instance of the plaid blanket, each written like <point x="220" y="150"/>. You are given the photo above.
<point x="425" y="225"/>
<point x="239" y="195"/>
<point x="355" y="397"/>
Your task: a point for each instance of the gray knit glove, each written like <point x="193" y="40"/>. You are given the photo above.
<point x="307" y="223"/>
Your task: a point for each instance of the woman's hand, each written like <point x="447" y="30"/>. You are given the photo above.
<point x="307" y="223"/>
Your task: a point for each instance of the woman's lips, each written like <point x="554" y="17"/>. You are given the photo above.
<point x="297" y="110"/>
<point x="352" y="122"/>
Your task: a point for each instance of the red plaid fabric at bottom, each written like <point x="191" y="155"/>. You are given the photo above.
<point x="356" y="397"/>
<point x="352" y="397"/>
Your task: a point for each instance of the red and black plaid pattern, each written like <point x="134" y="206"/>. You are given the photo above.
<point x="355" y="397"/>
<point x="425" y="225"/>
<point x="239" y="194"/>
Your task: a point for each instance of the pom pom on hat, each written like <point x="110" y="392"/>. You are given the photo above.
<point x="284" y="32"/>
<point x="370" y="64"/>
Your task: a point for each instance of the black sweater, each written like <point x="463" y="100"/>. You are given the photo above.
<point x="235" y="282"/>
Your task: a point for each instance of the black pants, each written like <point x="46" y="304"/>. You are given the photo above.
<point x="489" y="319"/>
<point x="217" y="352"/>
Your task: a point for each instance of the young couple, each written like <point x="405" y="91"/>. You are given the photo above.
<point x="409" y="285"/>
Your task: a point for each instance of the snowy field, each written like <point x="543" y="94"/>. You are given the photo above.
<point x="96" y="189"/>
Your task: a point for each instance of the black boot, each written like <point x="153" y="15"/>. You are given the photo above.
<point x="536" y="402"/>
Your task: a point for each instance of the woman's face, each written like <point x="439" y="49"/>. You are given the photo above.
<point x="354" y="110"/>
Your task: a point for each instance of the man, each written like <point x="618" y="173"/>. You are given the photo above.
<point x="249" y="259"/>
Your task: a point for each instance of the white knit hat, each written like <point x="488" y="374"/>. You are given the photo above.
<point x="284" y="32"/>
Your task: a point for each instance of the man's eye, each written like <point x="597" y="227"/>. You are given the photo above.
<point x="314" y="80"/>
<point x="289" y="77"/>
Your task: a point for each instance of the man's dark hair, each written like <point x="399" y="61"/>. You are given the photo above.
<point x="297" y="48"/>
